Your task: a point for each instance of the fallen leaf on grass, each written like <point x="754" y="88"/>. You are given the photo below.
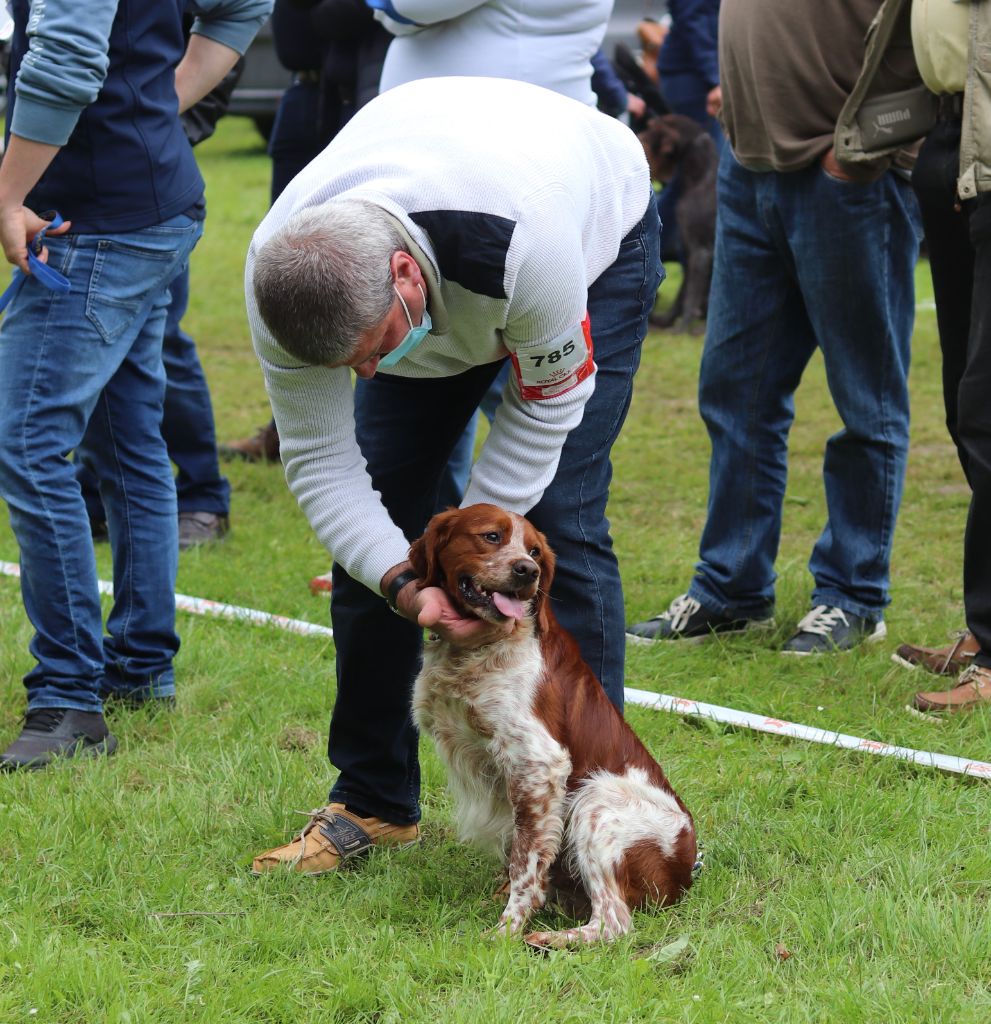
<point x="780" y="952"/>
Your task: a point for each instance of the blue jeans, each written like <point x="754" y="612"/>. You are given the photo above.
<point x="83" y="371"/>
<point x="407" y="429"/>
<point x="804" y="260"/>
<point x="187" y="421"/>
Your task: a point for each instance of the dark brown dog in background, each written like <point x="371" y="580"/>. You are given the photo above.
<point x="675" y="144"/>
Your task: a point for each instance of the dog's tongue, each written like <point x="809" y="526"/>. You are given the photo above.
<point x="511" y="607"/>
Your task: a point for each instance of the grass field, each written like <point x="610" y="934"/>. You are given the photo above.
<point x="838" y="887"/>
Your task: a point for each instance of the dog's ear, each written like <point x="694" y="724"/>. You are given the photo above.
<point x="424" y="553"/>
<point x="546" y="561"/>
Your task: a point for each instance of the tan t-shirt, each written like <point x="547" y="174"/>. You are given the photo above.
<point x="940" y="31"/>
<point x="786" y="69"/>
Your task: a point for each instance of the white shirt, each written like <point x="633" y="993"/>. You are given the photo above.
<point x="561" y="181"/>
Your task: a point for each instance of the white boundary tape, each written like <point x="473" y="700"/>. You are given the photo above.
<point x="202" y="606"/>
<point x="643" y="698"/>
<point x="761" y="723"/>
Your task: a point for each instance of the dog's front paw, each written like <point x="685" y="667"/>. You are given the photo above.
<point x="545" y="942"/>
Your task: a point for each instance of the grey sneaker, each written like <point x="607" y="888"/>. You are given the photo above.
<point x="197" y="528"/>
<point x="826" y="630"/>
<point x="50" y="733"/>
<point x="688" y="621"/>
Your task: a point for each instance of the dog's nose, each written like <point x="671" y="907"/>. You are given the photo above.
<point x="526" y="571"/>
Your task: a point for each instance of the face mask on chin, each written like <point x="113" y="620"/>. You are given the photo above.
<point x="413" y="337"/>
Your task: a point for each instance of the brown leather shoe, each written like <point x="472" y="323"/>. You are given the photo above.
<point x="263" y="446"/>
<point x="941" y="661"/>
<point x="333" y="835"/>
<point x="973" y="690"/>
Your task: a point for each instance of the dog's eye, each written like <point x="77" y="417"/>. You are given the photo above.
<point x="493" y="537"/>
<point x="535" y="552"/>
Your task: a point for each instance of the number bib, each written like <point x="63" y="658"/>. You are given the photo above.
<point x="555" y="367"/>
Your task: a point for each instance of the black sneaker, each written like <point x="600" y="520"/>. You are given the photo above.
<point x="49" y="733"/>
<point x="826" y="630"/>
<point x="689" y="621"/>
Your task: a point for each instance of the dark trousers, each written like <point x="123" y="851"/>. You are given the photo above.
<point x="959" y="240"/>
<point x="407" y="429"/>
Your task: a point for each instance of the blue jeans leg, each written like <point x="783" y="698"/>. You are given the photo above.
<point x="187" y="423"/>
<point x="587" y="593"/>
<point x="787" y="279"/>
<point x="83" y="371"/>
<point x="866" y="345"/>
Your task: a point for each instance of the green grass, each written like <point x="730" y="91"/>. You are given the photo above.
<point x="874" y="875"/>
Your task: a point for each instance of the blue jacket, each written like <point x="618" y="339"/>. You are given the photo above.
<point x="690" y="45"/>
<point x="103" y="89"/>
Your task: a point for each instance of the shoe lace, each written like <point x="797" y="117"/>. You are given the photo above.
<point x="822" y="620"/>
<point x="960" y="638"/>
<point x="317" y="814"/>
<point x="977" y="675"/>
<point x="44" y="719"/>
<point x="681" y="609"/>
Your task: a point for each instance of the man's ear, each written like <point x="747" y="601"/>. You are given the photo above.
<point x="405" y="269"/>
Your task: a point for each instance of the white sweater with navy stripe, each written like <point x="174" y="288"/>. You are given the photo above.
<point x="558" y="183"/>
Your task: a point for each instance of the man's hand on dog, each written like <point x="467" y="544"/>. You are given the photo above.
<point x="433" y="610"/>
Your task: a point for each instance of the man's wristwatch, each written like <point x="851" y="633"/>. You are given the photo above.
<point x="392" y="591"/>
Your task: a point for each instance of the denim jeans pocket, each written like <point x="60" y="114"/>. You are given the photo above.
<point x="128" y="275"/>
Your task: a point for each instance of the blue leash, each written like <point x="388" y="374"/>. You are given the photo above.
<point x="42" y="271"/>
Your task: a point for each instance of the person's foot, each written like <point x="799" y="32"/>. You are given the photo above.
<point x="826" y="630"/>
<point x="51" y="733"/>
<point x="332" y="835"/>
<point x="973" y="690"/>
<point x="262" y="446"/>
<point x="689" y="621"/>
<point x="196" y="528"/>
<point x="941" y="661"/>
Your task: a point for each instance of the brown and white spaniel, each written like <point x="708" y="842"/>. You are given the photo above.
<point x="542" y="767"/>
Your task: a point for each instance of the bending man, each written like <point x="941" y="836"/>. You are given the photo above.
<point x="451" y="223"/>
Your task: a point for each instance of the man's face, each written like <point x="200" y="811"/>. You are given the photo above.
<point x="381" y="339"/>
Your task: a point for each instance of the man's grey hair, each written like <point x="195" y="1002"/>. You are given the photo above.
<point x="325" y="277"/>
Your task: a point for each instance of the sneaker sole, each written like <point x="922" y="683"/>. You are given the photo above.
<point x="105" y="747"/>
<point x="925" y="715"/>
<point x="756" y="626"/>
<point x="904" y="662"/>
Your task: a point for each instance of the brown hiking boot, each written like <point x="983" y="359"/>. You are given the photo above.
<point x="333" y="834"/>
<point x="941" y="661"/>
<point x="262" y="447"/>
<point x="973" y="690"/>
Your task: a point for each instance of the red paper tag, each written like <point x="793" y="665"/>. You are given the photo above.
<point x="555" y="367"/>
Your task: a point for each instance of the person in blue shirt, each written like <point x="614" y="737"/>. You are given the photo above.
<point x="94" y="134"/>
